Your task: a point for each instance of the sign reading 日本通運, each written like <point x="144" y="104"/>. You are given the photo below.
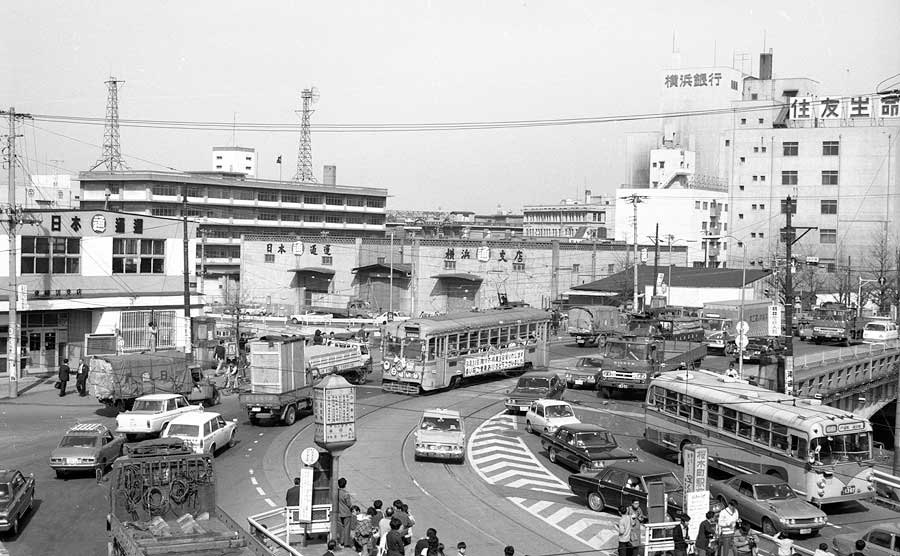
<point x="497" y="361"/>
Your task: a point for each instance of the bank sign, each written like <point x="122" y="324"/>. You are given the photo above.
<point x="494" y="361"/>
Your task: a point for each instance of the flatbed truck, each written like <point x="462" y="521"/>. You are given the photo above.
<point x="630" y="362"/>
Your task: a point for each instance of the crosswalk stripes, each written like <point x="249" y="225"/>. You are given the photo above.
<point x="501" y="458"/>
<point x="597" y="530"/>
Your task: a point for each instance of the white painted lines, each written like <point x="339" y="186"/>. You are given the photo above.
<point x="260" y="491"/>
<point x="597" y="530"/>
<point x="253" y="481"/>
<point x="501" y="458"/>
<point x="270" y="503"/>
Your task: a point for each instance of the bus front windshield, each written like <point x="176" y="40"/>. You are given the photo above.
<point x="406" y="347"/>
<point x="842" y="447"/>
<point x="621" y="350"/>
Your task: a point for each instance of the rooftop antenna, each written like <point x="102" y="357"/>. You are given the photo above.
<point x="304" y="157"/>
<point x="111" y="155"/>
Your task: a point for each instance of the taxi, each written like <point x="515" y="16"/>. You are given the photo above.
<point x="441" y="435"/>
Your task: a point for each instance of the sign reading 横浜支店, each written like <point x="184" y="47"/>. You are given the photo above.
<point x="494" y="361"/>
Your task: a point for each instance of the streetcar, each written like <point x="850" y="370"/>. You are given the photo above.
<point x="824" y="453"/>
<point x="425" y="354"/>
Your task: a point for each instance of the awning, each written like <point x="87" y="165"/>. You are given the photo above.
<point x="377" y="270"/>
<point x="586" y="293"/>
<point x="313" y="270"/>
<point x="462" y="276"/>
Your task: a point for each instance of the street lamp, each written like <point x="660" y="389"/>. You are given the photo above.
<point x="740" y="345"/>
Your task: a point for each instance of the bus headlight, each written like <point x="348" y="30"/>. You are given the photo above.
<point x="871" y="477"/>
<point x="821" y="483"/>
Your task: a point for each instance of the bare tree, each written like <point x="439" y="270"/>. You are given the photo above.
<point x="879" y="267"/>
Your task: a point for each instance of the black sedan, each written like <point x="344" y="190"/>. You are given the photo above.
<point x="584" y="447"/>
<point x="621" y="483"/>
<point x="584" y="373"/>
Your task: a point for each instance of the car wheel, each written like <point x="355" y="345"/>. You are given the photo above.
<point x="295" y="321"/>
<point x="768" y="527"/>
<point x="290" y="416"/>
<point x="60" y="474"/>
<point x="231" y="441"/>
<point x="584" y="468"/>
<point x="212" y="450"/>
<point x="551" y="453"/>
<point x="14" y="530"/>
<point x="130" y="436"/>
<point x="595" y="501"/>
<point x="528" y="427"/>
<point x="254" y="421"/>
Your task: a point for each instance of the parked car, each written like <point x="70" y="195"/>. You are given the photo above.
<point x="548" y="415"/>
<point x="584" y="447"/>
<point x="534" y="386"/>
<point x="389" y="316"/>
<point x="441" y="435"/>
<point x="16" y="499"/>
<point x="879" y="331"/>
<point x="204" y="431"/>
<point x="620" y="483"/>
<point x="770" y="504"/>
<point x="760" y="346"/>
<point x="882" y="539"/>
<point x="584" y="373"/>
<point x="86" y="447"/>
<point x="150" y="414"/>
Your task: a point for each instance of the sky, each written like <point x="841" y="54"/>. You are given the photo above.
<point x="406" y="62"/>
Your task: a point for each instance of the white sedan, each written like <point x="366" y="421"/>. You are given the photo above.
<point x="548" y="415"/>
<point x="205" y="432"/>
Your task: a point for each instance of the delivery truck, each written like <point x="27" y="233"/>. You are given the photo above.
<point x="162" y="501"/>
<point x="720" y="320"/>
<point x="589" y="323"/>
<point x="630" y="362"/>
<point x="118" y="380"/>
<point x="283" y="370"/>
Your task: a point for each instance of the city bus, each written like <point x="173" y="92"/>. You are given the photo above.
<point x="425" y="354"/>
<point x="823" y="452"/>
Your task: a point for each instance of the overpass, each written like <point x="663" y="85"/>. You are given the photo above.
<point x="861" y="379"/>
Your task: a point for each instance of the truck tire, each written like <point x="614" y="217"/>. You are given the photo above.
<point x="290" y="415"/>
<point x="215" y="398"/>
<point x="295" y="321"/>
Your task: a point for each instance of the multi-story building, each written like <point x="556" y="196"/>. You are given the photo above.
<point x="83" y="272"/>
<point x="571" y="219"/>
<point x="235" y="160"/>
<point x="228" y="205"/>
<point x="454" y="224"/>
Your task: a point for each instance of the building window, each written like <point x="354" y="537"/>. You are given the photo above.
<point x="269" y="258"/>
<point x="753" y="206"/>
<point x="743" y="159"/>
<point x="268" y="215"/>
<point x="753" y="234"/>
<point x="449" y="265"/>
<point x="705" y="205"/>
<point x="762" y="149"/>
<point x="166" y="189"/>
<point x="755" y="178"/>
<point x="218" y="157"/>
<point x="50" y="255"/>
<point x="375" y="220"/>
<point x="829" y="177"/>
<point x="518" y="267"/>
<point x="334" y="219"/>
<point x="829" y="206"/>
<point x="762" y="178"/>
<point x="762" y="234"/>
<point x="244" y="195"/>
<point x="312" y="199"/>
<point x="662" y="164"/>
<point x="762" y="206"/>
<point x="138" y="256"/>
<point x="761" y="121"/>
<point x="291" y="216"/>
<point x="742" y="187"/>
<point x="218" y="193"/>
<point x="334" y="200"/>
<point x="248" y="159"/>
<point x="327" y="260"/>
<point x="654" y="165"/>
<point x="697" y="205"/>
<point x="576" y="268"/>
<point x="754" y="96"/>
<point x="791" y="148"/>
<point x="756" y="149"/>
<point x="164" y="211"/>
<point x="831" y="148"/>
<point x="354" y="219"/>
<point x="827" y="235"/>
<point x="218" y="166"/>
<point x="740" y="216"/>
<point x="743" y="121"/>
<point x="789" y="177"/>
<point x="269" y="196"/>
<point x="727" y="142"/>
<point x="355" y="201"/>
<point x="290" y="197"/>
<point x="312" y="218"/>
<point x="375" y="202"/>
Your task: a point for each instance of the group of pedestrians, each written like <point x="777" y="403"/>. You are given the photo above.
<point x="64" y="374"/>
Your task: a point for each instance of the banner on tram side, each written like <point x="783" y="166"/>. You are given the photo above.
<point x="494" y="361"/>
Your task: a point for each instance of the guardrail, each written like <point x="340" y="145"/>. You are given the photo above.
<point x="267" y="526"/>
<point x="844" y="353"/>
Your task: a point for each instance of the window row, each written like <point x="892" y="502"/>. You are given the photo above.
<point x="791" y="177"/>
<point x="829" y="148"/>
<point x="266" y="195"/>
<point x="705" y="205"/>
<point x="50" y="255"/>
<point x="454" y="345"/>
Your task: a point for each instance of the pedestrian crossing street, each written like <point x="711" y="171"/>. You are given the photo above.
<point x="500" y="457"/>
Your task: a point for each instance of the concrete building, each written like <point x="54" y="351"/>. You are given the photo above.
<point x="571" y="219"/>
<point x="437" y="224"/>
<point x="42" y="191"/>
<point x="294" y="274"/>
<point x="234" y="160"/>
<point x="96" y="272"/>
<point x="228" y="205"/>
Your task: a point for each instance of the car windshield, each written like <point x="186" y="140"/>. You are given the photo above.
<point x="4" y="491"/>
<point x="590" y="362"/>
<point x="713" y="325"/>
<point x="533" y="382"/>
<point x="78" y="441"/>
<point x="669" y="481"/>
<point x="155" y="406"/>
<point x="875" y="327"/>
<point x="620" y="350"/>
<point x="440" y="424"/>
<point x="842" y="447"/>
<point x="595" y="439"/>
<point x="559" y="411"/>
<point x="780" y="491"/>
<point x="179" y="429"/>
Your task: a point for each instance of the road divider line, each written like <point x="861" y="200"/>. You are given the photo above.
<point x="270" y="503"/>
<point x="253" y="481"/>
<point x="260" y="491"/>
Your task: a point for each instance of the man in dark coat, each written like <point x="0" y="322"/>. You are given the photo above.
<point x="681" y="536"/>
<point x="292" y="497"/>
<point x="81" y="378"/>
<point x="63" y="377"/>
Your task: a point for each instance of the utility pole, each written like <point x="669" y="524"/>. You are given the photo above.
<point x="188" y="329"/>
<point x="789" y="234"/>
<point x="391" y="278"/>
<point x="634" y="199"/>
<point x="12" y="344"/>
<point x="895" y="469"/>
<point x="656" y="259"/>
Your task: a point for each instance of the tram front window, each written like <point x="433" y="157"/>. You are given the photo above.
<point x="842" y="447"/>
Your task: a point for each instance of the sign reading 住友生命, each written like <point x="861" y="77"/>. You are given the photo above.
<point x="334" y="411"/>
<point x="494" y="361"/>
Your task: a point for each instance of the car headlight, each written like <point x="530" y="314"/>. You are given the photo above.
<point x="85" y="460"/>
<point x="641" y="376"/>
<point x="821" y="483"/>
<point x="606" y="374"/>
<point x="551" y="428"/>
<point x="600" y="464"/>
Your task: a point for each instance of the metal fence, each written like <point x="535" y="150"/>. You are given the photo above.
<point x="134" y="328"/>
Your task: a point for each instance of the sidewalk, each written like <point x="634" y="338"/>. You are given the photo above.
<point x="39" y="389"/>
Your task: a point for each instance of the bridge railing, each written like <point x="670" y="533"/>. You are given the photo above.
<point x="844" y="353"/>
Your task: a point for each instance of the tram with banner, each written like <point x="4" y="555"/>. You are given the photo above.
<point x="824" y="453"/>
<point x="426" y="354"/>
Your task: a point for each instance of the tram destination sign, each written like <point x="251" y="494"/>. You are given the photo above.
<point x="494" y="361"/>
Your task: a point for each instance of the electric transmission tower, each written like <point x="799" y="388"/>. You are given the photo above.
<point x="304" y="156"/>
<point x="111" y="156"/>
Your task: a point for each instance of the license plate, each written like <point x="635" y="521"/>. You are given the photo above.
<point x="72" y="461"/>
<point x="805" y="531"/>
<point x="579" y="382"/>
<point x="256" y="409"/>
<point x="623" y="385"/>
<point x="850" y="489"/>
